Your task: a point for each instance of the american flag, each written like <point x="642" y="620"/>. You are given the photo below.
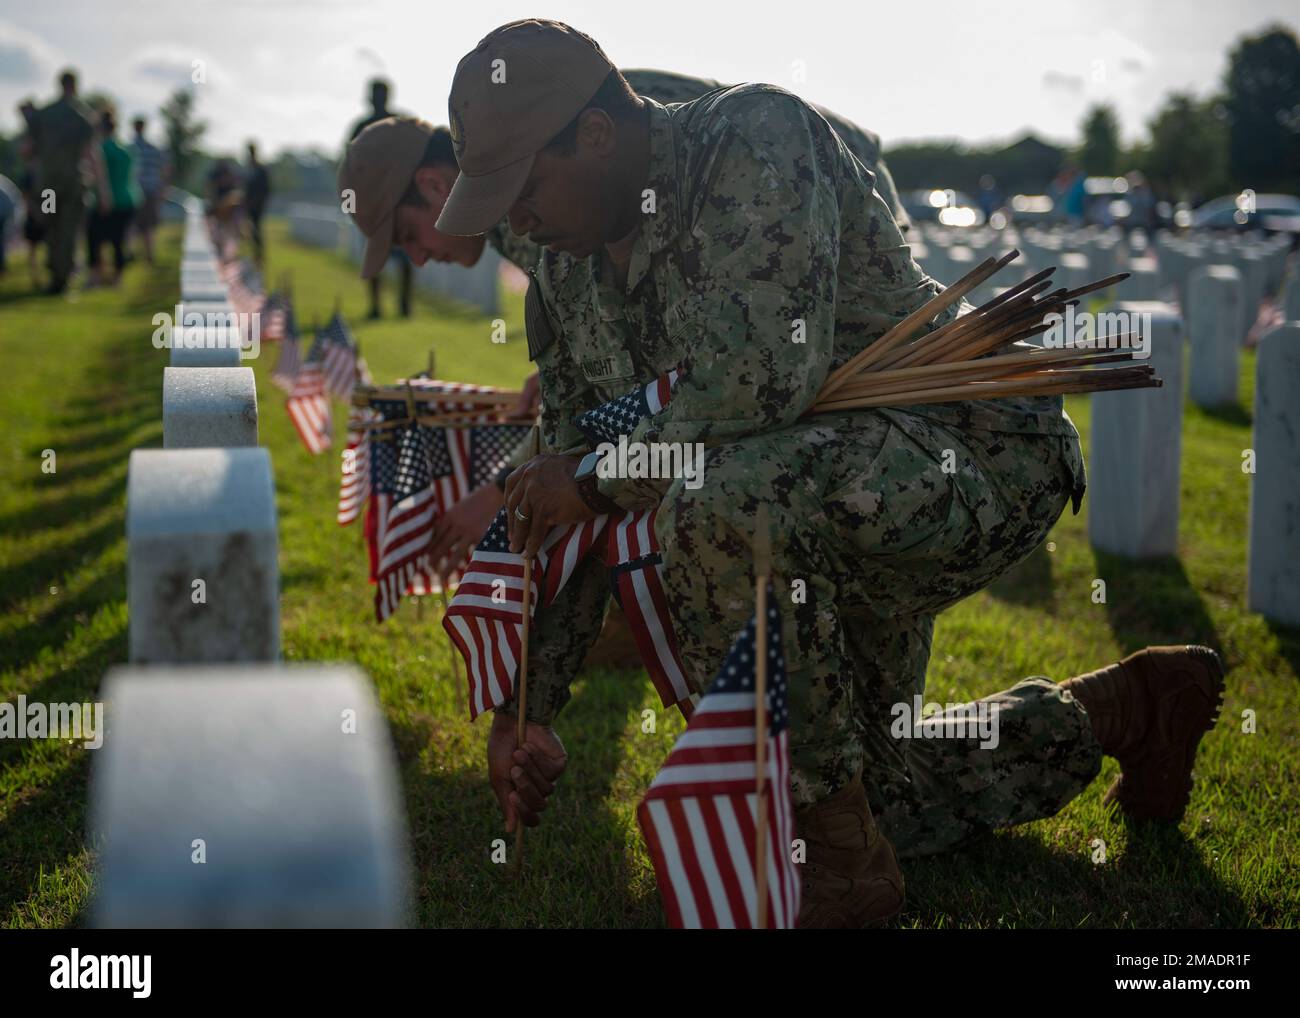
<point x="354" y="483"/>
<point x="337" y="351"/>
<point x="485" y="618"/>
<point x="458" y="460"/>
<point x="636" y="566"/>
<point x="243" y="285"/>
<point x="309" y="409"/>
<point x="486" y="629"/>
<point x="699" y="816"/>
<point x="409" y="466"/>
<point x="277" y="317"/>
<point x="288" y="364"/>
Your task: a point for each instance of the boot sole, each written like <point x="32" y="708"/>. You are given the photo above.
<point x="1210" y="682"/>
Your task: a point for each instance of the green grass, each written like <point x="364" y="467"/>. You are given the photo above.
<point x="82" y="379"/>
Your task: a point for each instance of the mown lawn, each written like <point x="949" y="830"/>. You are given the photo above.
<point x="82" y="379"/>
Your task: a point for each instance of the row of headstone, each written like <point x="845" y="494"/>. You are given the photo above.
<point x="1160" y="267"/>
<point x="1214" y="285"/>
<point x="231" y="791"/>
<point x="325" y="226"/>
<point x="1136" y="449"/>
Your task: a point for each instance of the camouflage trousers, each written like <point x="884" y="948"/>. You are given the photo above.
<point x="879" y="520"/>
<point x="63" y="226"/>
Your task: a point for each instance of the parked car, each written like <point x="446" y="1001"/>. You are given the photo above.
<point x="942" y="205"/>
<point x="1247" y="210"/>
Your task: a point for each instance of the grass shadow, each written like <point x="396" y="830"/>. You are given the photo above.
<point x="1152" y="601"/>
<point x="1029" y="582"/>
<point x="1060" y="888"/>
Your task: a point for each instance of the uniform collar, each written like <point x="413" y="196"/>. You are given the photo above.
<point x="659" y="228"/>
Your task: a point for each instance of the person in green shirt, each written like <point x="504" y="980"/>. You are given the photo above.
<point x="117" y="195"/>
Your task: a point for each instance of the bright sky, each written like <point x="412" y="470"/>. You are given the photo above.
<point x="293" y="72"/>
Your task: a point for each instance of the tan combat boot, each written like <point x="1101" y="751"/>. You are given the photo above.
<point x="850" y="875"/>
<point x="1149" y="711"/>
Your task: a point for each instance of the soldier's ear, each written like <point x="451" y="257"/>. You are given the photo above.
<point x="433" y="185"/>
<point x="596" y="132"/>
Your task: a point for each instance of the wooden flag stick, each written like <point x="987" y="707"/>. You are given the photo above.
<point x="521" y="683"/>
<point x="364" y="395"/>
<point x="762" y="571"/>
<point x="1001" y="364"/>
<point x="1101" y="380"/>
<point x="455" y="657"/>
<point x="907" y="327"/>
<point x="1001" y="308"/>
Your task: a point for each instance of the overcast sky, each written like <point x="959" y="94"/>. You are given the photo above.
<point x="293" y="72"/>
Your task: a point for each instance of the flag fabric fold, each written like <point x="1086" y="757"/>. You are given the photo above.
<point x="700" y="814"/>
<point x="417" y="473"/>
<point x="486" y="630"/>
<point x="309" y="408"/>
<point x="336" y="349"/>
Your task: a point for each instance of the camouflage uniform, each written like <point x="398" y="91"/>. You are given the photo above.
<point x="62" y="131"/>
<point x="667" y="87"/>
<point x="764" y="220"/>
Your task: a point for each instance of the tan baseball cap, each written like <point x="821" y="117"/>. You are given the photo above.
<point x="513" y="93"/>
<point x="377" y="168"/>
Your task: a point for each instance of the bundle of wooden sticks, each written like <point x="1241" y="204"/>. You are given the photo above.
<point x="953" y="362"/>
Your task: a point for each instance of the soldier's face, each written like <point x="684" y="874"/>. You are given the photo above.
<point x="418" y="236"/>
<point x="569" y="200"/>
<point x="416" y="231"/>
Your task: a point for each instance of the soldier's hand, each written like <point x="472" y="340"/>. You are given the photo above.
<point x="539" y="495"/>
<point x="458" y="530"/>
<point x="530" y="398"/>
<point x="523" y="778"/>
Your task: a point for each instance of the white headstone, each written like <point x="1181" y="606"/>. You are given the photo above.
<point x="254" y="797"/>
<point x="1253" y="268"/>
<point x="205" y="357"/>
<point x="1214" y="295"/>
<point x="209" y="408"/>
<point x="1073" y="271"/>
<point x="1273" y="576"/>
<point x="1143" y="281"/>
<point x="203" y="575"/>
<point x="1290" y="298"/>
<point x="1136" y="448"/>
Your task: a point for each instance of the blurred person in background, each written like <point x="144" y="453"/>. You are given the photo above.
<point x="62" y="133"/>
<point x="11" y="206"/>
<point x="990" y="199"/>
<point x="152" y="172"/>
<point x="117" y="195"/>
<point x="1142" y="202"/>
<point x="380" y="92"/>
<point x="33" y="224"/>
<point x="257" y="191"/>
<point x="225" y="202"/>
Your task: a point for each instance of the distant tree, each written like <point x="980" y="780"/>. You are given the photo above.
<point x="183" y="134"/>
<point x="1188" y="153"/>
<point x="1099" y="154"/>
<point x="1262" y="99"/>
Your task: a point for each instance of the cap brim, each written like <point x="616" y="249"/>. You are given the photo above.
<point x="379" y="245"/>
<point x="476" y="204"/>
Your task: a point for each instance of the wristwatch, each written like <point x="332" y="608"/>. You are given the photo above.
<point x="587" y="490"/>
